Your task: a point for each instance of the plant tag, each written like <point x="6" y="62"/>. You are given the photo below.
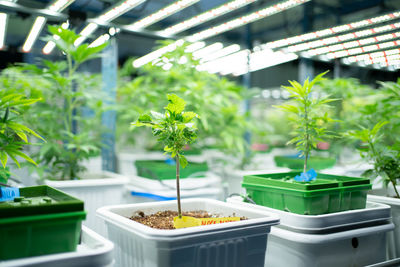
<point x="8" y="193"/>
<point x="187" y="221"/>
<point x="306" y="177"/>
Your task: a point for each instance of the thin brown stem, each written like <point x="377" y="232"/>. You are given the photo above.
<point x="394" y="186"/>
<point x="178" y="191"/>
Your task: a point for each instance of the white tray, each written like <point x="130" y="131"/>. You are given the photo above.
<point x="94" y="250"/>
<point x="372" y="214"/>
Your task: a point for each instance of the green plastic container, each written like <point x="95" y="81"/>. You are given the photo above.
<point x="44" y="221"/>
<point x="158" y="169"/>
<point x="326" y="194"/>
<point x="296" y="163"/>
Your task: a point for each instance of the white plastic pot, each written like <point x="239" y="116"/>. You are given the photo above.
<point x="96" y="190"/>
<point x="241" y="243"/>
<point x="379" y="196"/>
<point x="349" y="238"/>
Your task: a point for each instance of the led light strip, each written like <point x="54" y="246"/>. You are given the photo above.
<point x="332" y="31"/>
<point x="162" y="14"/>
<point x="368" y="56"/>
<point x="246" y="19"/>
<point x="206" y="16"/>
<point x="40" y="21"/>
<point x="351" y="44"/>
<point x="112" y="13"/>
<point x="221" y="53"/>
<point x="207" y="50"/>
<point x="361" y="50"/>
<point x="342" y="38"/>
<point x="194" y="47"/>
<point x="157" y="53"/>
<point x="100" y="40"/>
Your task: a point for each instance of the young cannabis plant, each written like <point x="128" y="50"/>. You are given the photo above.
<point x="386" y="158"/>
<point x="309" y="116"/>
<point x="174" y="129"/>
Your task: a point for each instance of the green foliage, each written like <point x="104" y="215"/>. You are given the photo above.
<point x="13" y="134"/>
<point x="309" y="116"/>
<point x="69" y="114"/>
<point x="386" y="158"/>
<point x="174" y="129"/>
<point x="216" y="100"/>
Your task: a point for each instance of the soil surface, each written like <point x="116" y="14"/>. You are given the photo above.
<point x="165" y="219"/>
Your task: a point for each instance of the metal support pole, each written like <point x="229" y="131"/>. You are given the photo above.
<point x="337" y="69"/>
<point x="109" y="77"/>
<point x="247" y="79"/>
<point x="306" y="67"/>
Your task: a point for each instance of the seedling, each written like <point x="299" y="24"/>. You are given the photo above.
<point x="309" y="116"/>
<point x="174" y="129"/>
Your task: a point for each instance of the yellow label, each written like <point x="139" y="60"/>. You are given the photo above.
<point x="187" y="221"/>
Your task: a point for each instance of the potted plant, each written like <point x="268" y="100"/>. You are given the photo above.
<point x="239" y="242"/>
<point x="380" y="146"/>
<point x="299" y="192"/>
<point x="69" y="115"/>
<point x="31" y="218"/>
<point x="217" y="101"/>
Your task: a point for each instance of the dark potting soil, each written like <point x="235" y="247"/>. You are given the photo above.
<point x="165" y="219"/>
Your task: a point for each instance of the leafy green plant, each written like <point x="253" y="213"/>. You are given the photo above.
<point x="309" y="116"/>
<point x="71" y="136"/>
<point x="217" y="100"/>
<point x="13" y="134"/>
<point x="386" y="158"/>
<point x="174" y="129"/>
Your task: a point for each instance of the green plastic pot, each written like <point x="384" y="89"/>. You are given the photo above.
<point x="43" y="221"/>
<point x="326" y="194"/>
<point x="296" y="163"/>
<point x="160" y="170"/>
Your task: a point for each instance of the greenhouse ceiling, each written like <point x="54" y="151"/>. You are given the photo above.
<point x="362" y="32"/>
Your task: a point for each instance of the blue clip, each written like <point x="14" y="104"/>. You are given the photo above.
<point x="170" y="161"/>
<point x="8" y="193"/>
<point x="306" y="177"/>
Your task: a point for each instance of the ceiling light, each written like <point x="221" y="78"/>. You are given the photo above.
<point x="34" y="33"/>
<point x="207" y="50"/>
<point x="340" y="38"/>
<point x="88" y="30"/>
<point x="332" y="31"/>
<point x="361" y="50"/>
<point x="59" y="5"/>
<point x="249" y="18"/>
<point x="221" y="53"/>
<point x="194" y="47"/>
<point x="118" y="9"/>
<point x="157" y="53"/>
<point x="100" y="40"/>
<point x="206" y="16"/>
<point x="368" y="56"/>
<point x="162" y="14"/>
<point x="3" y="25"/>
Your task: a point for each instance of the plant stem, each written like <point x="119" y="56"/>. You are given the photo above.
<point x="178" y="191"/>
<point x="394" y="186"/>
<point x="307" y="143"/>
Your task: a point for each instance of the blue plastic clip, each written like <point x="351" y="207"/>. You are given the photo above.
<point x="8" y="193"/>
<point x="306" y="177"/>
<point x="170" y="161"/>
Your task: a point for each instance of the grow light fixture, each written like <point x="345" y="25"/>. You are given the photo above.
<point x="351" y="44"/>
<point x="49" y="47"/>
<point x="363" y="57"/>
<point x="339" y="39"/>
<point x="157" y="53"/>
<point x="109" y="15"/>
<point x="207" y="50"/>
<point x="194" y="47"/>
<point x="332" y="31"/>
<point x="246" y="19"/>
<point x="3" y="25"/>
<point x="34" y="33"/>
<point x="162" y="14"/>
<point x="59" y="5"/>
<point x="206" y="16"/>
<point x="221" y="53"/>
<point x="225" y="63"/>
<point x="100" y="40"/>
<point x="361" y="50"/>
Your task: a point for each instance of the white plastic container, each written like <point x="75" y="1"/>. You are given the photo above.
<point x="96" y="190"/>
<point x="241" y="243"/>
<point x="349" y="238"/>
<point x="94" y="250"/>
<point x="378" y="195"/>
